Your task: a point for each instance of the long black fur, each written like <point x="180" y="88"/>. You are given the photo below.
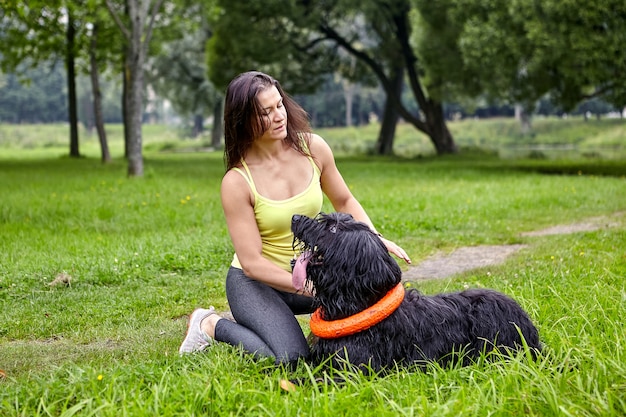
<point x="350" y="269"/>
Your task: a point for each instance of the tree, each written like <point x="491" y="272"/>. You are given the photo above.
<point x="70" y="65"/>
<point x="519" y="51"/>
<point x="68" y="29"/>
<point x="102" y="44"/>
<point x="40" y="31"/>
<point x="294" y="39"/>
<point x="137" y="32"/>
<point x="97" y="93"/>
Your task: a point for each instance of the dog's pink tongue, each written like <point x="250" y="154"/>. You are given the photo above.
<point x="298" y="276"/>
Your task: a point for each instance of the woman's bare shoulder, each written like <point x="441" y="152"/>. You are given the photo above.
<point x="321" y="151"/>
<point x="234" y="180"/>
<point x="318" y="145"/>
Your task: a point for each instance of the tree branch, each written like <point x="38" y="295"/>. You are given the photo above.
<point x="117" y="20"/>
<point x="153" y="13"/>
<point x="599" y="92"/>
<point x="378" y="70"/>
<point x="409" y="57"/>
<point x="380" y="73"/>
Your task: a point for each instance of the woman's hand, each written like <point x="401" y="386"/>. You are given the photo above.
<point x="395" y="250"/>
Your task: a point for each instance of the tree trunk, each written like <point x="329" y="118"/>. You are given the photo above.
<point x="97" y="98"/>
<point x="384" y="144"/>
<point x="141" y="16"/>
<point x="133" y="78"/>
<point x="436" y="128"/>
<point x="71" y="87"/>
<point x="434" y="122"/>
<point x="522" y="115"/>
<point x="135" y="107"/>
<point x="439" y="134"/>
<point x="348" y="93"/>
<point x="218" y="123"/>
<point x="125" y="106"/>
<point x="198" y="125"/>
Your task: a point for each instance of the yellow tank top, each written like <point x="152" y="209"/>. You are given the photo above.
<point x="273" y="217"/>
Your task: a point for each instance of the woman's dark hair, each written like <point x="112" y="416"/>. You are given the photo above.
<point x="244" y="119"/>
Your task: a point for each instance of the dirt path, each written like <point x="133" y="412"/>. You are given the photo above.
<point x="473" y="257"/>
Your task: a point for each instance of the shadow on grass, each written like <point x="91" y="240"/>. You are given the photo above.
<point x="487" y="161"/>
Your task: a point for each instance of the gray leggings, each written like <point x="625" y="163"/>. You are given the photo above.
<point x="266" y="325"/>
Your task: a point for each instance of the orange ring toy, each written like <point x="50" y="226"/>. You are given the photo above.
<point x="360" y="321"/>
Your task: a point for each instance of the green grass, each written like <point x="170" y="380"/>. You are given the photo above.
<point x="142" y="253"/>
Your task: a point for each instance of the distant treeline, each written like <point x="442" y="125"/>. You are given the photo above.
<point x="40" y="96"/>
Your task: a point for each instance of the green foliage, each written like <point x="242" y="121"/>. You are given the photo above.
<point x="142" y="253"/>
<point x="520" y="50"/>
<point x="435" y="37"/>
<point x="38" y="100"/>
<point x="272" y="36"/>
<point x="34" y="31"/>
<point x="179" y="74"/>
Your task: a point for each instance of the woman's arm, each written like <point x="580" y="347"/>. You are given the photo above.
<point x="340" y="195"/>
<point x="238" y="205"/>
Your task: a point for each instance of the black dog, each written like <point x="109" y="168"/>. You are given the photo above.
<point x="351" y="270"/>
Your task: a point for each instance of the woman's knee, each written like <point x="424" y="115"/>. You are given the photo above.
<point x="291" y="359"/>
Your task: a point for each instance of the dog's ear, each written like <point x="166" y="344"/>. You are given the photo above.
<point x="333" y="220"/>
<point x="337" y="217"/>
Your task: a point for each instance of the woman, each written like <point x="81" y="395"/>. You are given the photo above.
<point x="275" y="168"/>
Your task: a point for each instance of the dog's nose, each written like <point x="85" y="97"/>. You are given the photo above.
<point x="296" y="218"/>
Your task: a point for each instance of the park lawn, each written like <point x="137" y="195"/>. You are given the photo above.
<point x="143" y="253"/>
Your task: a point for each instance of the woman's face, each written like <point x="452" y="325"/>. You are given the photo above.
<point x="275" y="114"/>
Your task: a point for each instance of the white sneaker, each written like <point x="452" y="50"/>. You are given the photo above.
<point x="195" y="339"/>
